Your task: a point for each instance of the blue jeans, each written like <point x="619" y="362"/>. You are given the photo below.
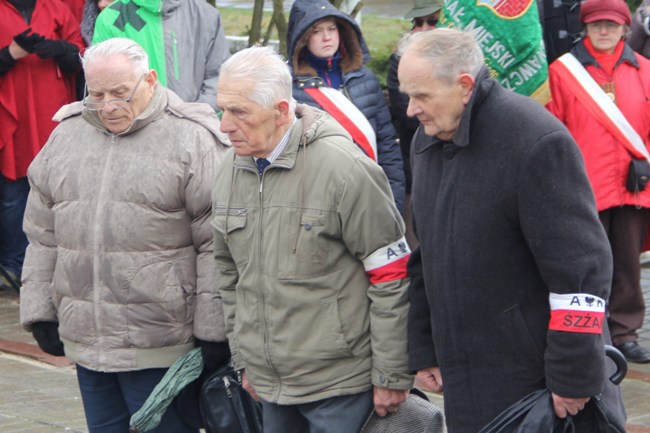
<point x="110" y="399"/>
<point x="13" y="242"/>
<point x="345" y="414"/>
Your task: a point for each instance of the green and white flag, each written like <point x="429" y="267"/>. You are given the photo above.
<point x="510" y="35"/>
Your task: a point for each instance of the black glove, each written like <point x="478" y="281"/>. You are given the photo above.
<point x="6" y="61"/>
<point x="66" y="54"/>
<point x="46" y="335"/>
<point x="214" y="354"/>
<point x="54" y="48"/>
<point x="28" y="41"/>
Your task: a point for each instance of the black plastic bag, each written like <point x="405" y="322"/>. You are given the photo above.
<point x="535" y="414"/>
<point x="226" y="407"/>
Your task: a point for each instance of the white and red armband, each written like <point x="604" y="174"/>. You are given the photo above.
<point x="576" y="312"/>
<point x="388" y="263"/>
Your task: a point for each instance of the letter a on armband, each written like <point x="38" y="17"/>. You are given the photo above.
<point x="388" y="263"/>
<point x="576" y="312"/>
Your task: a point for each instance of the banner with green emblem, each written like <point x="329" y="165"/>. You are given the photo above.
<point x="510" y="35"/>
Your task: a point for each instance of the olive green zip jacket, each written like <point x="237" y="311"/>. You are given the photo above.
<point x="312" y="262"/>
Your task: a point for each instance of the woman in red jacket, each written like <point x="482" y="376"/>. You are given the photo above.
<point x="39" y="57"/>
<point x="624" y="76"/>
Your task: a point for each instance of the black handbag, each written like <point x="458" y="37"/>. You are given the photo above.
<point x="226" y="407"/>
<point x="638" y="175"/>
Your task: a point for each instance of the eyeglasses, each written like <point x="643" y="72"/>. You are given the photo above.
<point x="604" y="25"/>
<point x="116" y="103"/>
<point x="419" y="22"/>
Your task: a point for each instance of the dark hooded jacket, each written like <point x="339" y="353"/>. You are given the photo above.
<point x="359" y="84"/>
<point x="505" y="215"/>
<point x="638" y="38"/>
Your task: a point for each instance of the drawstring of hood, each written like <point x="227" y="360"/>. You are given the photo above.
<point x="232" y="181"/>
<point x="301" y="145"/>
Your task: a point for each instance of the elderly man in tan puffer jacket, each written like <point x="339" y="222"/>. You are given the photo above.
<point x="120" y="257"/>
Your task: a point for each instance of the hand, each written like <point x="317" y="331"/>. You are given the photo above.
<point x="27" y="41"/>
<point x="248" y="387"/>
<point x="46" y="335"/>
<point x="16" y="52"/>
<point x="214" y="354"/>
<point x="565" y="406"/>
<point x="429" y="379"/>
<point x="388" y="400"/>
<point x="53" y="49"/>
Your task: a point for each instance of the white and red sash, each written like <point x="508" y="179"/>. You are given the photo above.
<point x="599" y="105"/>
<point x="348" y="115"/>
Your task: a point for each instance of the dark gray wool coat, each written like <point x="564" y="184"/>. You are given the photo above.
<point x="504" y="215"/>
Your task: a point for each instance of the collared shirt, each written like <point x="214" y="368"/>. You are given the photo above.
<point x="281" y="145"/>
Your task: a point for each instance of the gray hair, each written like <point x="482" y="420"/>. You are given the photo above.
<point x="452" y="52"/>
<point x="119" y="46"/>
<point x="267" y="70"/>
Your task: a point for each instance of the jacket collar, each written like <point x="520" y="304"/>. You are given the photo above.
<point x="582" y="54"/>
<point x="482" y="88"/>
<point x="151" y="113"/>
<point x="301" y="135"/>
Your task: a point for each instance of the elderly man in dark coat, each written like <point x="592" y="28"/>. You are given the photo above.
<point x="509" y="283"/>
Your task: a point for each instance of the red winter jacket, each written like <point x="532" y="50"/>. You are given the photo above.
<point x="606" y="158"/>
<point x="35" y="88"/>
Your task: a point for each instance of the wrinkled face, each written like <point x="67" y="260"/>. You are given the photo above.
<point x="422" y="24"/>
<point x="437" y="105"/>
<point x="605" y="35"/>
<point x="252" y="129"/>
<point x="324" y="38"/>
<point x="113" y="78"/>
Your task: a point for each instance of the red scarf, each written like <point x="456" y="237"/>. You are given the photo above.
<point x="606" y="61"/>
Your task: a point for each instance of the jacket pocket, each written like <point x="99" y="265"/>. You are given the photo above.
<point x="321" y="337"/>
<point x="304" y="248"/>
<point x="161" y="292"/>
<point x="230" y="223"/>
<point x="518" y="345"/>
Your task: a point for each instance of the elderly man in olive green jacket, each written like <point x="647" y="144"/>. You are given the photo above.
<point x="312" y="257"/>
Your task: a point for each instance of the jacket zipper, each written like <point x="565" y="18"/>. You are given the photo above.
<point x="230" y="211"/>
<point x="262" y="303"/>
<point x="97" y="230"/>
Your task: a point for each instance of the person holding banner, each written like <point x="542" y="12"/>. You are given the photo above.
<point x="600" y="91"/>
<point x="512" y="257"/>
<point x="327" y="54"/>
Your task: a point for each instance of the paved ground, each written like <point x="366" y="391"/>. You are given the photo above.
<point x="39" y="393"/>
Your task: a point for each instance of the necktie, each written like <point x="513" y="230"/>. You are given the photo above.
<point x="262" y="163"/>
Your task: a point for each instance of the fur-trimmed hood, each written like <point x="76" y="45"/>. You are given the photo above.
<point x="304" y="14"/>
